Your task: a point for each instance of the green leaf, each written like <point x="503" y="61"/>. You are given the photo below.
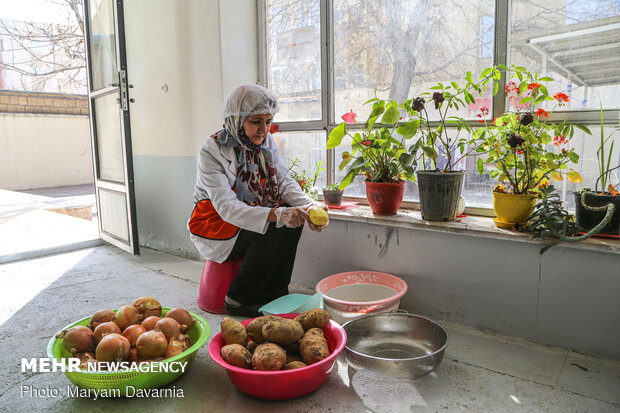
<point x="573" y="156"/>
<point x="455" y="85"/>
<point x="370" y="100"/>
<point x="430" y="152"/>
<point x="409" y="129"/>
<point x="406" y="158"/>
<point x="336" y="135"/>
<point x="480" y="166"/>
<point x="358" y="163"/>
<point x="546" y="79"/>
<point x="525" y="99"/>
<point x="346" y="181"/>
<point x="485" y="72"/>
<point x="583" y="128"/>
<point x="344" y="162"/>
<point x="391" y="116"/>
<point x="494" y="173"/>
<point x="495" y="88"/>
<point x="370" y="123"/>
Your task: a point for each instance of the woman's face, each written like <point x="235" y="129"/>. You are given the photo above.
<point x="256" y="127"/>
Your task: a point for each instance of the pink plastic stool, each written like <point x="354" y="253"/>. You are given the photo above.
<point x="216" y="278"/>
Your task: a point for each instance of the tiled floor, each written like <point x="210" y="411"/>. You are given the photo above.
<point x="481" y="372"/>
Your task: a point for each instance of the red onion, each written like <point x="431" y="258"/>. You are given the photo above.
<point x="101" y="316"/>
<point x="183" y="318"/>
<point x="151" y="344"/>
<point x="106" y="328"/>
<point x="132" y="333"/>
<point x="169" y="326"/>
<point x="148" y="306"/>
<point x="113" y="347"/>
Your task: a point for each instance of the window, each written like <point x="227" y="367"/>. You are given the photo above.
<point x="399" y="48"/>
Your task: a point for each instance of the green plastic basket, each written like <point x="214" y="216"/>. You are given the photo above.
<point x="199" y="333"/>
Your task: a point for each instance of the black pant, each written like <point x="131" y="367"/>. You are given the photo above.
<point x="267" y="267"/>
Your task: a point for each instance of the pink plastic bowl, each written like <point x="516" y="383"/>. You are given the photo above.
<point x="355" y="278"/>
<point x="283" y="384"/>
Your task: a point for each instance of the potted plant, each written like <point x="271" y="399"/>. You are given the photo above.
<point x="332" y="194"/>
<point x="592" y="207"/>
<point x="550" y="219"/>
<point x="378" y="152"/>
<point x="307" y="184"/>
<point x="439" y="179"/>
<point x="525" y="149"/>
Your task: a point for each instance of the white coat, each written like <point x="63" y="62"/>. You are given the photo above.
<point x="217" y="174"/>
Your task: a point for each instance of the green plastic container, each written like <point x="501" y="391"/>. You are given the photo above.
<point x="199" y="333"/>
<point x="292" y="303"/>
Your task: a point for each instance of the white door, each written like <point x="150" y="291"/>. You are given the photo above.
<point x="110" y="128"/>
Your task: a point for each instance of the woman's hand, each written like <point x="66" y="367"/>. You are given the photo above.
<point x="312" y="226"/>
<point x="292" y="217"/>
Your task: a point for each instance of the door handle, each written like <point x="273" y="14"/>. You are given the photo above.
<point x="112" y="85"/>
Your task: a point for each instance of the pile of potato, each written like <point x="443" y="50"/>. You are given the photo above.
<point x="276" y="343"/>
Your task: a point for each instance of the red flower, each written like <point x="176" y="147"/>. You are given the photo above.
<point x="512" y="87"/>
<point x="480" y="121"/>
<point x="533" y="86"/>
<point x="559" y="140"/>
<point x="366" y="143"/>
<point x="274" y="128"/>
<point x="542" y="113"/>
<point x="302" y="182"/>
<point x="561" y="97"/>
<point x="350" y="117"/>
<point x="484" y="110"/>
<point x="519" y="151"/>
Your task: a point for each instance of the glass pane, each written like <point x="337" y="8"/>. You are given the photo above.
<point x="401" y="48"/>
<point x="102" y="43"/>
<point x="309" y="149"/>
<point x="294" y="58"/>
<point x="114" y="214"/>
<point x="109" y="141"/>
<point x="577" y="43"/>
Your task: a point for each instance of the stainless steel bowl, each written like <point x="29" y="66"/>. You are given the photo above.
<point x="400" y="345"/>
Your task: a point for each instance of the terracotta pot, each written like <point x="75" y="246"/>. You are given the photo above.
<point x="384" y="198"/>
<point x="512" y="209"/>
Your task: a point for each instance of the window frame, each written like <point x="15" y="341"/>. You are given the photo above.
<point x="328" y="119"/>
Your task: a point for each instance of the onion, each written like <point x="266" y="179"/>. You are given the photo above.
<point x="78" y="339"/>
<point x="101" y="316"/>
<point x="169" y="326"/>
<point x="126" y="316"/>
<point x="133" y="355"/>
<point x="183" y="318"/>
<point x="174" y="348"/>
<point x="113" y="347"/>
<point x="106" y="328"/>
<point x="151" y="344"/>
<point x="149" y="322"/>
<point x="185" y="340"/>
<point x="148" y="306"/>
<point x="132" y="333"/>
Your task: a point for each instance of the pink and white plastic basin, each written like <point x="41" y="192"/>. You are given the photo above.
<point x="351" y="294"/>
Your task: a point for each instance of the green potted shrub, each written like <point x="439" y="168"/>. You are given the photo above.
<point x="332" y="194"/>
<point x="517" y="145"/>
<point x="439" y="179"/>
<point x="592" y="206"/>
<point x="550" y="219"/>
<point x="378" y="151"/>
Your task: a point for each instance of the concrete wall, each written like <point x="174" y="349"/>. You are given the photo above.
<point x="182" y="62"/>
<point x="41" y="151"/>
<point x="567" y="297"/>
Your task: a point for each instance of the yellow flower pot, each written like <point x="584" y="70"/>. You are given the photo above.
<point x="512" y="209"/>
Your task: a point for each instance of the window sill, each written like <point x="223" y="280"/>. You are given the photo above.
<point x="474" y="226"/>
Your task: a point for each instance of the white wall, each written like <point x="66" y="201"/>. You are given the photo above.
<point x="44" y="151"/>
